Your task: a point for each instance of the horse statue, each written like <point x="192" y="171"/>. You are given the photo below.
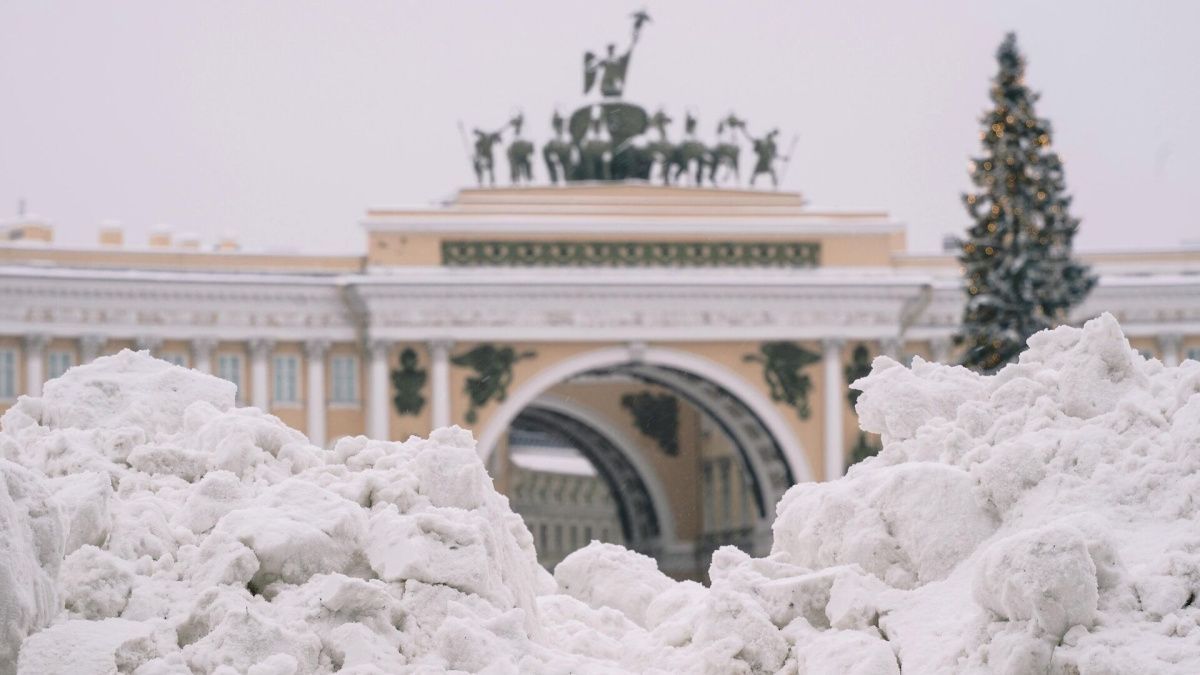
<point x="596" y="152"/>
<point x="725" y="153"/>
<point x="690" y="157"/>
<point x="519" y="151"/>
<point x="557" y="151"/>
<point x="661" y="151"/>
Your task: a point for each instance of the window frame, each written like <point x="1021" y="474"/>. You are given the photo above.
<point x="344" y="379"/>
<point x="239" y="368"/>
<point x="52" y="372"/>
<point x="282" y="384"/>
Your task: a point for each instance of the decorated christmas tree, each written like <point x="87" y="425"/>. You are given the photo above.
<point x="1020" y="277"/>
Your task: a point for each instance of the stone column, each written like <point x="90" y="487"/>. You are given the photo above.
<point x="260" y="393"/>
<point x="377" y="390"/>
<point x="835" y="392"/>
<point x="1169" y="345"/>
<point x="439" y="372"/>
<point x="35" y="363"/>
<point x="202" y="351"/>
<point x="90" y="347"/>
<point x="314" y="352"/>
<point x="940" y="347"/>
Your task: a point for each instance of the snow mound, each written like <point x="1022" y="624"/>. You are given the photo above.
<point x="1043" y="519"/>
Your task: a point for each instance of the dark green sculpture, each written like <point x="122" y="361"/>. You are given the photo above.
<point x="725" y="154"/>
<point x="767" y="151"/>
<point x="557" y="152"/>
<point x="493" y="373"/>
<point x="611" y="69"/>
<point x="409" y="381"/>
<point x="484" y="160"/>
<point x="595" y="153"/>
<point x="520" y="166"/>
<point x="783" y="369"/>
<point x="661" y="151"/>
<point x="607" y="138"/>
<point x="656" y="416"/>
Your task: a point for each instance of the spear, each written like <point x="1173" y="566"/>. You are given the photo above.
<point x="787" y="160"/>
<point x="462" y="133"/>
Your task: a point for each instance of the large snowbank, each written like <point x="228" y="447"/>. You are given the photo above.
<point x="1041" y="520"/>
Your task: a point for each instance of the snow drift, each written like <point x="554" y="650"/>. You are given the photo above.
<point x="1040" y="520"/>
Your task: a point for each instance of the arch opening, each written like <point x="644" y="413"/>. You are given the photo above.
<point x="730" y="458"/>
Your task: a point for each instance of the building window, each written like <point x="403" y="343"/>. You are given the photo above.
<point x="175" y="357"/>
<point x="287" y="379"/>
<point x="345" y="379"/>
<point x="8" y="374"/>
<point x="229" y="367"/>
<point x="59" y="363"/>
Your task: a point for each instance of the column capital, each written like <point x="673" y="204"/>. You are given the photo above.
<point x="832" y="343"/>
<point x="261" y="346"/>
<point x="316" y="348"/>
<point x="92" y="341"/>
<point x="203" y="345"/>
<point x="35" y="342"/>
<point x="442" y="345"/>
<point x="378" y="347"/>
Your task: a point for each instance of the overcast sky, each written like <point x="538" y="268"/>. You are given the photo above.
<point x="284" y="121"/>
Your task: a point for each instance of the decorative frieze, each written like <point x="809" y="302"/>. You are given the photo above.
<point x="505" y="253"/>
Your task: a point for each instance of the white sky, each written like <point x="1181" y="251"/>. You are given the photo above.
<point x="283" y="121"/>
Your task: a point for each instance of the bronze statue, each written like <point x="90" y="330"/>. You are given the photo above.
<point x="661" y="151"/>
<point x="557" y="152"/>
<point x="483" y="160"/>
<point x="611" y="69"/>
<point x="690" y="156"/>
<point x="767" y="151"/>
<point x="520" y="167"/>
<point x="596" y="153"/>
<point x="725" y="154"/>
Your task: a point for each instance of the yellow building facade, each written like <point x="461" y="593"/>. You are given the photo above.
<point x="585" y="314"/>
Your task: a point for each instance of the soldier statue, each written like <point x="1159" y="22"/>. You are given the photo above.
<point x="483" y="160"/>
<point x="519" y="152"/>
<point x="557" y="151"/>
<point x="767" y="151"/>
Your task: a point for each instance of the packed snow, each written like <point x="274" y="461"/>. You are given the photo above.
<point x="1042" y="520"/>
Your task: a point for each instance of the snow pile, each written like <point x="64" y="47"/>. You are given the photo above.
<point x="199" y="537"/>
<point x="1040" y="520"/>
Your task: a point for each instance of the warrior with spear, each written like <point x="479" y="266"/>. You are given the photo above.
<point x="768" y="151"/>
